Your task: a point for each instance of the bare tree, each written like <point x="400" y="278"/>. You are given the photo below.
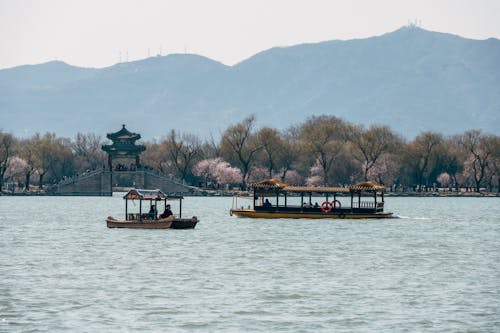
<point x="239" y="144"/>
<point x="7" y="150"/>
<point x="88" y="152"/>
<point x="369" y="145"/>
<point x="421" y="155"/>
<point x="480" y="148"/>
<point x="452" y="159"/>
<point x="322" y="139"/>
<point x="270" y="141"/>
<point x="27" y="152"/>
<point x="212" y="148"/>
<point x="184" y="151"/>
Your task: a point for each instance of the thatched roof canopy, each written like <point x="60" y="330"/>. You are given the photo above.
<point x="273" y="185"/>
<point x="269" y="184"/>
<point x="368" y="186"/>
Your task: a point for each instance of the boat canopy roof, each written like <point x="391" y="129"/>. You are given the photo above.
<point x="141" y="194"/>
<point x="367" y="186"/>
<point x="272" y="185"/>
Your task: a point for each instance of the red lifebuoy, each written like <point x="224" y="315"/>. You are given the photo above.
<point x="326" y="207"/>
<point x="337" y="202"/>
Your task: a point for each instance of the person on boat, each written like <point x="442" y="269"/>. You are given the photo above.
<point x="166" y="213"/>
<point x="267" y="203"/>
<point x="152" y="213"/>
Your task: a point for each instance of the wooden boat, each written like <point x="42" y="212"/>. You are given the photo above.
<point x="271" y="199"/>
<point x="150" y="220"/>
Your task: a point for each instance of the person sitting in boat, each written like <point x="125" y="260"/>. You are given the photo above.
<point x="152" y="213"/>
<point x="267" y="203"/>
<point x="166" y="213"/>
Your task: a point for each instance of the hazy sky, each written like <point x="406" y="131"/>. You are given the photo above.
<point x="98" y="33"/>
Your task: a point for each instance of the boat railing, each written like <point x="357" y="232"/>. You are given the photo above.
<point x="297" y="208"/>
<point x="133" y="216"/>
<point x="137" y="217"/>
<point x="364" y="204"/>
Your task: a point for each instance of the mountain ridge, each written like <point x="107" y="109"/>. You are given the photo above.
<point x="410" y="79"/>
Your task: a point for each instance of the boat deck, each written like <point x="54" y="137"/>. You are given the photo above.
<point x="312" y="212"/>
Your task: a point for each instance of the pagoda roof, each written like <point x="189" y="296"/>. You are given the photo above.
<point x="117" y="148"/>
<point x="123" y="134"/>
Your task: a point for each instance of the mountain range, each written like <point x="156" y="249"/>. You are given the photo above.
<point x="410" y="79"/>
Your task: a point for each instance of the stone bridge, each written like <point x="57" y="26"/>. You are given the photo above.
<point x="103" y="182"/>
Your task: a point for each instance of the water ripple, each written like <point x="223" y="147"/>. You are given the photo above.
<point x="433" y="270"/>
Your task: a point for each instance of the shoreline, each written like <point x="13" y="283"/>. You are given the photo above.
<point x="247" y="194"/>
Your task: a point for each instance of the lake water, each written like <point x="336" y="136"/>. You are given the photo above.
<point x="436" y="269"/>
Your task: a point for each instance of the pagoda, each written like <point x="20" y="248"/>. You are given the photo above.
<point x="123" y="147"/>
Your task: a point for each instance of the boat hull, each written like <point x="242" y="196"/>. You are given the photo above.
<point x="175" y="223"/>
<point x="307" y="215"/>
<point x="184" y="223"/>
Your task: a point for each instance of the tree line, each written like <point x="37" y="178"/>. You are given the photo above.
<point x="322" y="151"/>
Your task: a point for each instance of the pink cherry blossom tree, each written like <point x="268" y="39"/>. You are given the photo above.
<point x="16" y="169"/>
<point x="257" y="174"/>
<point x="292" y="177"/>
<point x="216" y="172"/>
<point x="443" y="179"/>
<point x="386" y="170"/>
<point x="316" y="177"/>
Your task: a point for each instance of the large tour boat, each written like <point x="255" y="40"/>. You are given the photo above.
<point x="152" y="219"/>
<point x="275" y="199"/>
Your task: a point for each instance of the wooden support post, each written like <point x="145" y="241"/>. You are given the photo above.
<point x="253" y="199"/>
<point x="180" y="208"/>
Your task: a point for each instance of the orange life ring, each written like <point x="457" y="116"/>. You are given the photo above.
<point x="326" y="207"/>
<point x="338" y="203"/>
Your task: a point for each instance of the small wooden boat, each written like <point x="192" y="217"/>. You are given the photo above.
<point x="281" y="194"/>
<point x="151" y="220"/>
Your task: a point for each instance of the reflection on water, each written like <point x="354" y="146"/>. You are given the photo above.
<point x="435" y="270"/>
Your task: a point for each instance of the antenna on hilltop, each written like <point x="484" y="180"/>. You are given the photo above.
<point x="416" y="23"/>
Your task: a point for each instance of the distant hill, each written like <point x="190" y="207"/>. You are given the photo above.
<point x="411" y="79"/>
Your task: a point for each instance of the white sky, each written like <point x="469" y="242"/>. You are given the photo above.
<point x="94" y="33"/>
